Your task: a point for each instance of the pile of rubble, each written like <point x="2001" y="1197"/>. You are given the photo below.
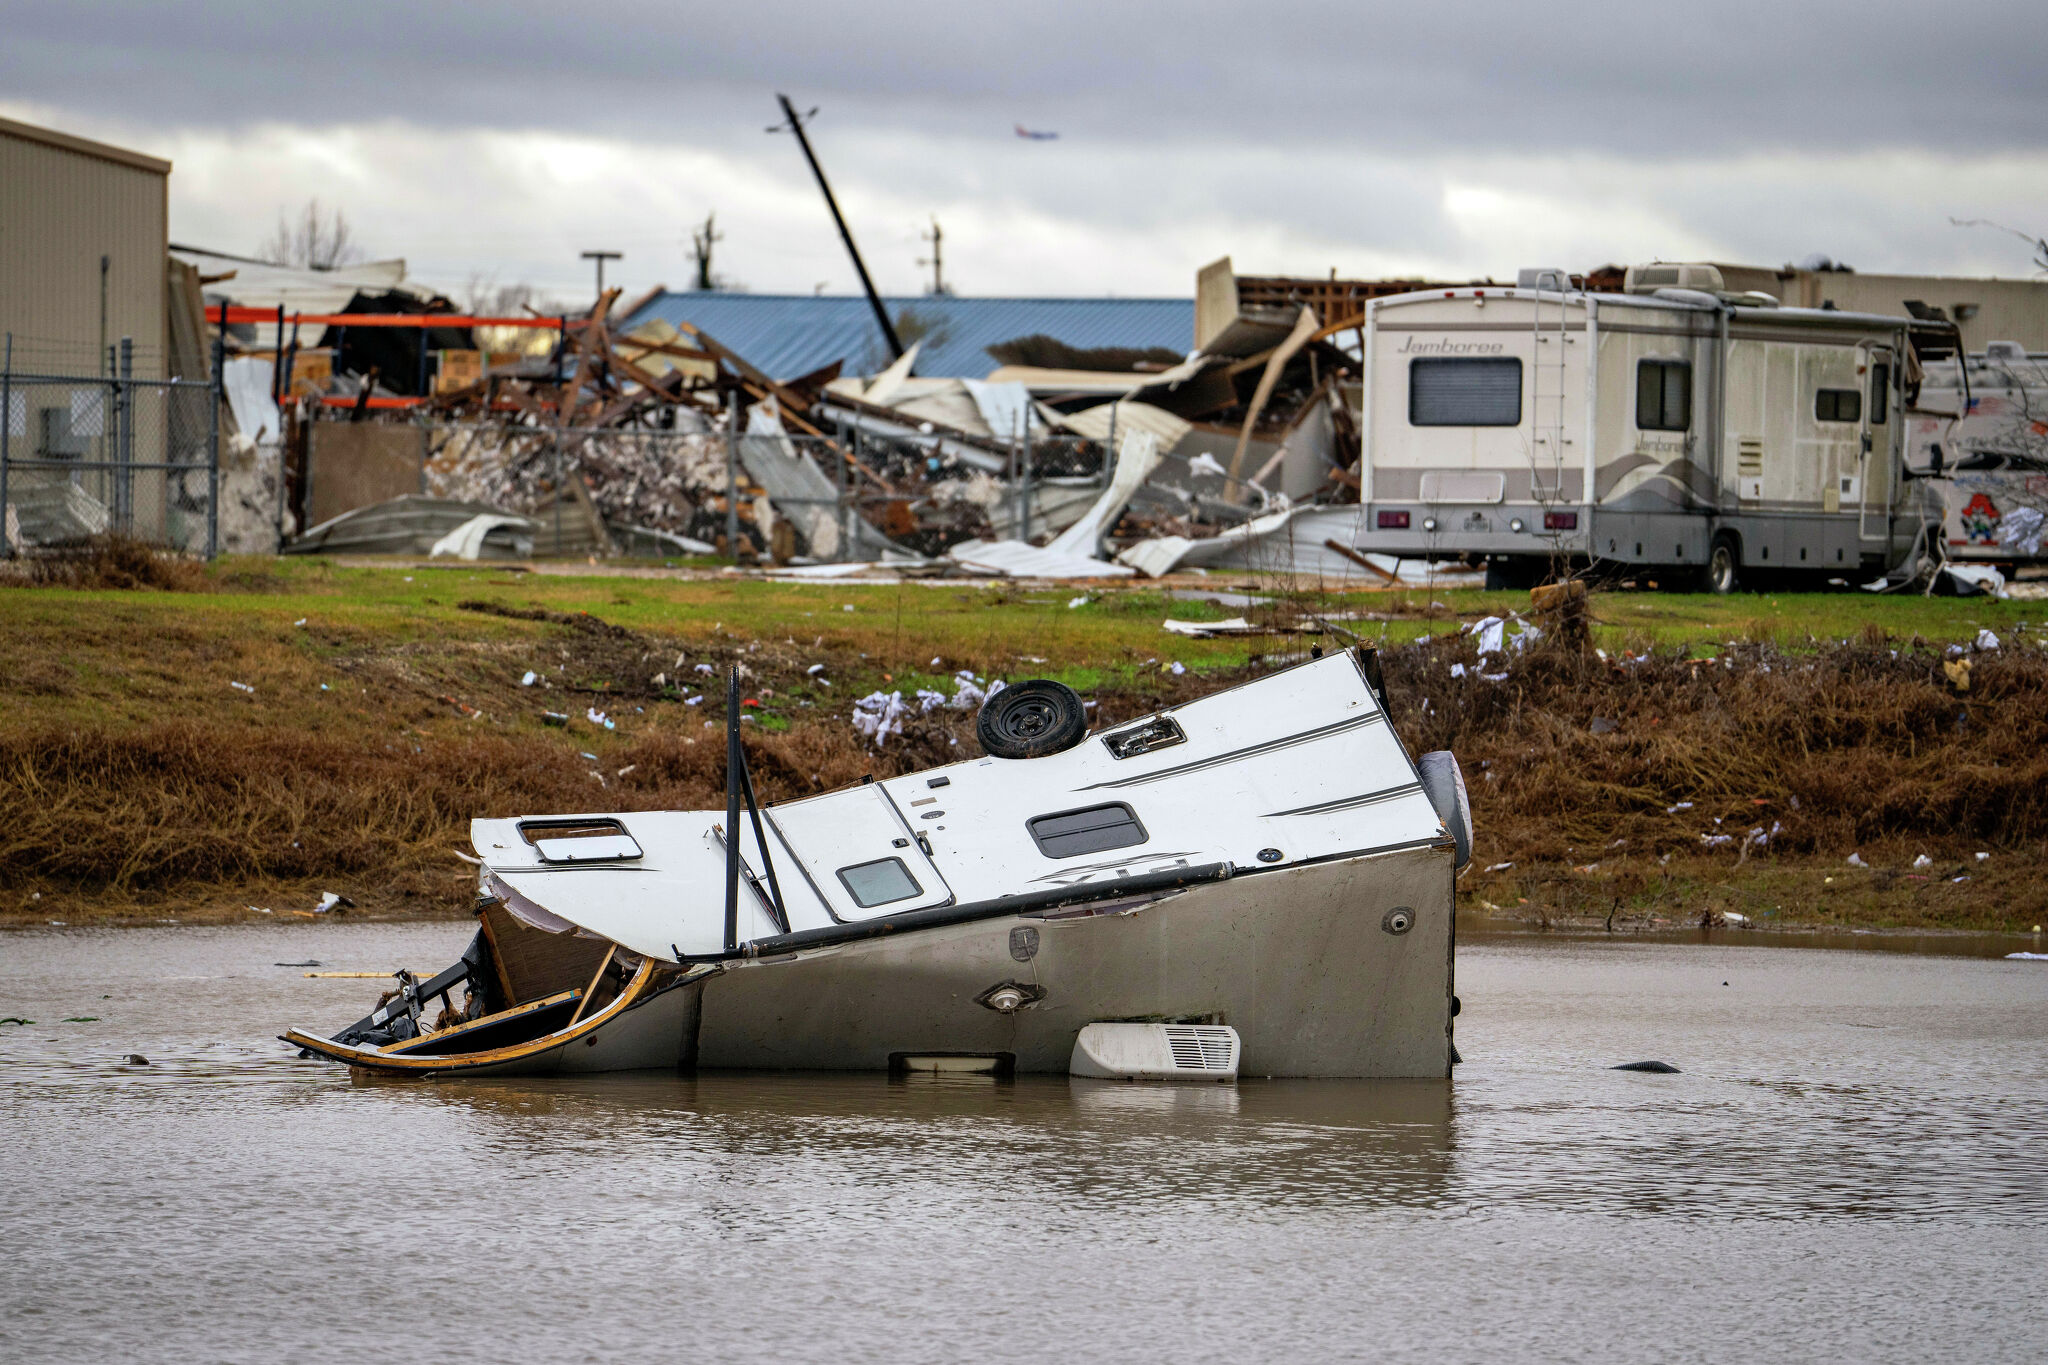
<point x="663" y="440"/>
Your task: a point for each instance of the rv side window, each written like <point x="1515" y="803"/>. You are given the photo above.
<point x="1074" y="832"/>
<point x="1465" y="392"/>
<point x="1880" y="392"/>
<point x="1837" y="405"/>
<point x="1664" y="395"/>
<point x="879" y="882"/>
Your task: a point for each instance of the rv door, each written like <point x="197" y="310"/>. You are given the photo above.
<point x="1878" y="434"/>
<point x="860" y="854"/>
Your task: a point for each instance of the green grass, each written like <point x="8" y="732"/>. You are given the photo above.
<point x="895" y="618"/>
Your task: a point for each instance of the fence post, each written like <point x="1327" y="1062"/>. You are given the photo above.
<point x="214" y="390"/>
<point x="848" y="511"/>
<point x="6" y="444"/>
<point x="732" y="476"/>
<point x="124" y="441"/>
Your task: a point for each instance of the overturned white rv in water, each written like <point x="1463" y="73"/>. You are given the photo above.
<point x="1266" y="860"/>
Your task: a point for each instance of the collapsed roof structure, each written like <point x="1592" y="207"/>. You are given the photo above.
<point x="788" y="435"/>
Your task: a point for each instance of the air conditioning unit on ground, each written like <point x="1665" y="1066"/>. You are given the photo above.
<point x="1156" y="1052"/>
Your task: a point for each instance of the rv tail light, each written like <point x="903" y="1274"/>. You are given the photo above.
<point x="1393" y="521"/>
<point x="1560" y="521"/>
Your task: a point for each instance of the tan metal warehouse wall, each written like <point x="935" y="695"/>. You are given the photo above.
<point x="65" y="202"/>
<point x="1989" y="309"/>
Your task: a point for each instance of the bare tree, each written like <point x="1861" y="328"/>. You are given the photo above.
<point x="702" y="240"/>
<point x="311" y="240"/>
<point x="484" y="297"/>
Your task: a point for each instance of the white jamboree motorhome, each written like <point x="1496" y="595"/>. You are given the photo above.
<point x="1674" y="429"/>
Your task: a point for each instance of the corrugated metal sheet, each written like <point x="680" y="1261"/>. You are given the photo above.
<point x="792" y="334"/>
<point x="66" y="203"/>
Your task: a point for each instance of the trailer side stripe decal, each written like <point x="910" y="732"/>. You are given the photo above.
<point x="1253" y="751"/>
<point x="1350" y="802"/>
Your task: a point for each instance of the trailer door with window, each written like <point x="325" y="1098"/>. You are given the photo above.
<point x="859" y="854"/>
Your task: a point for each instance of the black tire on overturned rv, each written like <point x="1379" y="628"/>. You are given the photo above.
<point x="1031" y="719"/>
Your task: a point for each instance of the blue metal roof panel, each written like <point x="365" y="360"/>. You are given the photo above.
<point x="792" y="334"/>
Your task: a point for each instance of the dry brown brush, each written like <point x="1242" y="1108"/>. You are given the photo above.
<point x="1571" y="758"/>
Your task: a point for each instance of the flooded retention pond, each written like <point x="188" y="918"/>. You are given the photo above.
<point x="1849" y="1167"/>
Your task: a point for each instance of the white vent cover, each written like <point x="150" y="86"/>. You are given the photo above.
<point x="1156" y="1052"/>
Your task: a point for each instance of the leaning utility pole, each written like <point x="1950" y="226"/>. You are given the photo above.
<point x="795" y="125"/>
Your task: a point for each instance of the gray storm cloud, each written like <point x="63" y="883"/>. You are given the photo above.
<point x="1450" y="137"/>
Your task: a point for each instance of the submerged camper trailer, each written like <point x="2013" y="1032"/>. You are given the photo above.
<point x="1673" y="427"/>
<point x="1263" y="873"/>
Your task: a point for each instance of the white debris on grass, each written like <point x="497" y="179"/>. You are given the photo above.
<point x="1457" y="670"/>
<point x="929" y="701"/>
<point x="597" y="717"/>
<point x="1716" y="840"/>
<point x="1986" y="640"/>
<point x="1856" y="860"/>
<point x="1176" y="668"/>
<point x="2026" y="957"/>
<point x="1073" y="602"/>
<point x="879" y="715"/>
<point x="1922" y="860"/>
<point x="692" y="701"/>
<point x="1682" y="805"/>
<point x="530" y="678"/>
<point x="815" y="669"/>
<point x="242" y="687"/>
<point x="1983" y="857"/>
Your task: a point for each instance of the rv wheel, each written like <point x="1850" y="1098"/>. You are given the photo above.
<point x="1031" y="720"/>
<point x="1724" y="566"/>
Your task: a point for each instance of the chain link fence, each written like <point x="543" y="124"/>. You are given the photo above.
<point x="90" y="449"/>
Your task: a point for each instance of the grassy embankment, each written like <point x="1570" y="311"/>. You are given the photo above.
<point x="138" y="783"/>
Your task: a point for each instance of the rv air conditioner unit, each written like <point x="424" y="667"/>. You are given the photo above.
<point x="1554" y="278"/>
<point x="1156" y="1052"/>
<point x="1648" y="279"/>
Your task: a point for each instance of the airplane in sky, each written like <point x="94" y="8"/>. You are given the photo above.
<point x="1030" y="136"/>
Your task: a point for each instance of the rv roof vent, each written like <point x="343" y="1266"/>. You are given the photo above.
<point x="1648" y="279"/>
<point x="2010" y="352"/>
<point x="1551" y="277"/>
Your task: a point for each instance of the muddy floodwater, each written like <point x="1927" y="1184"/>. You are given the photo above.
<point x="1849" y="1167"/>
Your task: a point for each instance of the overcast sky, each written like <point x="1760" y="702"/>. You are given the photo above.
<point x="1449" y="140"/>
